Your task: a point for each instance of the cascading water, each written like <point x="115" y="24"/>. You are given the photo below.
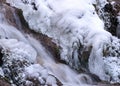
<point x="62" y="72"/>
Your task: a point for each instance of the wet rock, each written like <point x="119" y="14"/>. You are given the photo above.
<point x="84" y="57"/>
<point x="118" y="30"/>
<point x="4" y="82"/>
<point x="111" y="15"/>
<point x="2" y="1"/>
<point x="1" y="56"/>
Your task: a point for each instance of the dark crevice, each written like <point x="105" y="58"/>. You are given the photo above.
<point x="110" y="15"/>
<point x="23" y="21"/>
<point x="34" y="6"/>
<point x="25" y="1"/>
<point x="1" y="56"/>
<point x="113" y="18"/>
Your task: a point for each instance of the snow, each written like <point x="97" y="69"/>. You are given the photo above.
<point x="112" y="60"/>
<point x="1" y="73"/>
<point x="19" y="49"/>
<point x="34" y="71"/>
<point x="112" y="68"/>
<point x="39" y="72"/>
<point x="50" y="80"/>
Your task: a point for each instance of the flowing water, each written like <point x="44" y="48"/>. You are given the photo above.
<point x="63" y="72"/>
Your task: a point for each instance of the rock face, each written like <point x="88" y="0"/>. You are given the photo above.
<point x="4" y="83"/>
<point x="109" y="13"/>
<point x="118" y="26"/>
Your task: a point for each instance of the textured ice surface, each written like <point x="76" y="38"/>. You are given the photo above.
<point x="19" y="49"/>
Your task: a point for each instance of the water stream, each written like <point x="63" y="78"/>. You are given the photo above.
<point x="63" y="72"/>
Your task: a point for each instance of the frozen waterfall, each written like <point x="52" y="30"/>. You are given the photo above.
<point x="32" y="32"/>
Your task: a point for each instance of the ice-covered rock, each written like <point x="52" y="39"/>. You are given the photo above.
<point x="17" y="48"/>
<point x="67" y="25"/>
<point x="39" y="75"/>
<point x="16" y="55"/>
<point x="19" y="65"/>
<point x="108" y="12"/>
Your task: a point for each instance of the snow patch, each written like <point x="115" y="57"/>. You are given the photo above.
<point x="21" y="49"/>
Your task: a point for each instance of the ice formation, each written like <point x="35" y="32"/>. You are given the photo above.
<point x="72" y="24"/>
<point x="20" y="67"/>
<point x="69" y="27"/>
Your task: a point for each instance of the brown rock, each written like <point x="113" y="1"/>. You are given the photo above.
<point x="2" y="1"/>
<point x="4" y="83"/>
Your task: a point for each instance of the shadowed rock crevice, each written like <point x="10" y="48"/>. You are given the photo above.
<point x="109" y="14"/>
<point x="1" y="56"/>
<point x="83" y="57"/>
